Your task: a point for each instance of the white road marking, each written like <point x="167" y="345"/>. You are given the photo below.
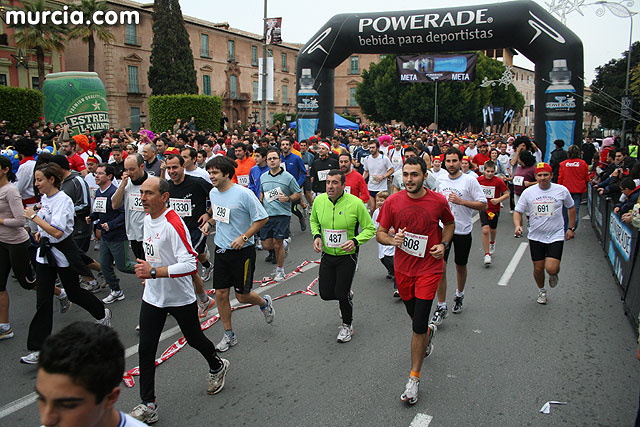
<point x="421" y="420"/>
<point x="586" y="217"/>
<point x="513" y="264"/>
<point x="31" y="398"/>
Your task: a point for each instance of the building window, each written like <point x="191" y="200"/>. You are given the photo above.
<point x="132" y="71"/>
<point x="231" y="50"/>
<point x="3" y="79"/>
<point x="204" y="45"/>
<point x="284" y="61"/>
<point x="254" y="56"/>
<point x="131" y="34"/>
<point x="354" y="65"/>
<point x="35" y="83"/>
<point x="255" y="91"/>
<point x="352" y="97"/>
<point x="233" y="87"/>
<point x="285" y="94"/>
<point x="270" y="53"/>
<point x="135" y="119"/>
<point x="206" y="84"/>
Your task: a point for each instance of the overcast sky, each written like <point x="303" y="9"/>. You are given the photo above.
<point x="603" y="37"/>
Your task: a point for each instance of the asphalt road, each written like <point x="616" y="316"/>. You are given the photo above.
<point x="496" y="363"/>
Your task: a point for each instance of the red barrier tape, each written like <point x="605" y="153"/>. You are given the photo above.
<point x="177" y="346"/>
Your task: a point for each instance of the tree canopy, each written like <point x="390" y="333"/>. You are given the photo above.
<point x="608" y="88"/>
<point x="172" y="71"/>
<point x="383" y="97"/>
<point x="89" y="30"/>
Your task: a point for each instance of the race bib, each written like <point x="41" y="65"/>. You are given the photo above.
<point x="396" y="161"/>
<point x="518" y="180"/>
<point x="243" y="180"/>
<point x="543" y="208"/>
<point x="100" y="205"/>
<point x="220" y="213"/>
<point x="92" y="192"/>
<point x="181" y="206"/>
<point x="322" y="175"/>
<point x="481" y="168"/>
<point x="415" y="244"/>
<point x="273" y="194"/>
<point x="347" y="190"/>
<point x="152" y="252"/>
<point x="489" y="192"/>
<point x="335" y="238"/>
<point x="135" y="202"/>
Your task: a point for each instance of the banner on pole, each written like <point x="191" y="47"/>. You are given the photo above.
<point x="274" y="30"/>
<point x="437" y="68"/>
<point x="269" y="79"/>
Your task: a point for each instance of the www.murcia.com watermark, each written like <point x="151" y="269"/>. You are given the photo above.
<point x="73" y="17"/>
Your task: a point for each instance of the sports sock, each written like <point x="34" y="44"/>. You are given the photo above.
<point x="414" y="374"/>
<point x="459" y="293"/>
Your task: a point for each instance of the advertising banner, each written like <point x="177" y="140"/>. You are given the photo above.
<point x="437" y="68"/>
<point x="621" y="249"/>
<point x="274" y="30"/>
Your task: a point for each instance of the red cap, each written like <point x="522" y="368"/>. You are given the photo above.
<point x="543" y="167"/>
<point x="467" y="158"/>
<point x="92" y="159"/>
<point x="171" y="150"/>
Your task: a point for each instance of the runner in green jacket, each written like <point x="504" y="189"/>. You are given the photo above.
<point x="336" y="217"/>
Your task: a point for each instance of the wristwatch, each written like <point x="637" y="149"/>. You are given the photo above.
<point x="446" y="245"/>
<point x="245" y="238"/>
<point x="33" y="216"/>
<point x="572" y="229"/>
<point x="153" y="273"/>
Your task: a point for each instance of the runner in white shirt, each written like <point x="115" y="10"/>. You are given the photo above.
<point x="377" y="167"/>
<point x="170" y="261"/>
<point x="543" y="204"/>
<point x="436" y="167"/>
<point x="396" y="154"/>
<point x="190" y="168"/>
<point x="465" y="196"/>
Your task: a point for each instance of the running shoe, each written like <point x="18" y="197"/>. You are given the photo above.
<point x="432" y="333"/>
<point x="279" y="276"/>
<point x="553" y="280"/>
<point x="216" y="381"/>
<point x="542" y="297"/>
<point x="113" y="297"/>
<point x="492" y="248"/>
<point x="96" y="245"/>
<point x="31" y="358"/>
<point x="206" y="273"/>
<point x="345" y="333"/>
<point x="390" y="276"/>
<point x="226" y="342"/>
<point x="106" y="320"/>
<point x="396" y="294"/>
<point x="65" y="304"/>
<point x="267" y="310"/>
<point x="6" y="333"/>
<point x="145" y="413"/>
<point x="269" y="257"/>
<point x="303" y="224"/>
<point x="439" y="315"/>
<point x="204" y="307"/>
<point x="410" y="395"/>
<point x="457" y="301"/>
<point x="92" y="286"/>
<point x="487" y="260"/>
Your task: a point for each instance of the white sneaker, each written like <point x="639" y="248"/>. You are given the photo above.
<point x="492" y="248"/>
<point x="6" y="333"/>
<point x="206" y="273"/>
<point x="31" y="358"/>
<point x="204" y="307"/>
<point x="113" y="297"/>
<point x="106" y="320"/>
<point x="410" y="394"/>
<point x="226" y="342"/>
<point x="145" y="413"/>
<point x="542" y="297"/>
<point x="216" y="381"/>
<point x="487" y="259"/>
<point x="553" y="280"/>
<point x="279" y="276"/>
<point x="345" y="333"/>
<point x="267" y="310"/>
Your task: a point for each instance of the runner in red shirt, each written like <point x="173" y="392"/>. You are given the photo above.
<point x="480" y="158"/>
<point x="76" y="163"/>
<point x="354" y="182"/>
<point x="496" y="191"/>
<point x="414" y="212"/>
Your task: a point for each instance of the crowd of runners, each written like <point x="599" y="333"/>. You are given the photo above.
<point x="149" y="202"/>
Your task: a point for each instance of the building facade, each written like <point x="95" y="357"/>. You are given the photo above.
<point x="19" y="67"/>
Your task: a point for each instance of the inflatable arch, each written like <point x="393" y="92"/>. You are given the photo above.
<point x="523" y="25"/>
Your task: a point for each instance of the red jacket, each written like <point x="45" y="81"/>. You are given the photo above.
<point x="356" y="185"/>
<point x="574" y="174"/>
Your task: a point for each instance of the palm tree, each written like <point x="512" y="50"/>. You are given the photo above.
<point x="86" y="32"/>
<point x="40" y="37"/>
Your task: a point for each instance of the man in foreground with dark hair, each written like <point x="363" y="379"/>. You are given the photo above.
<point x="79" y="376"/>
